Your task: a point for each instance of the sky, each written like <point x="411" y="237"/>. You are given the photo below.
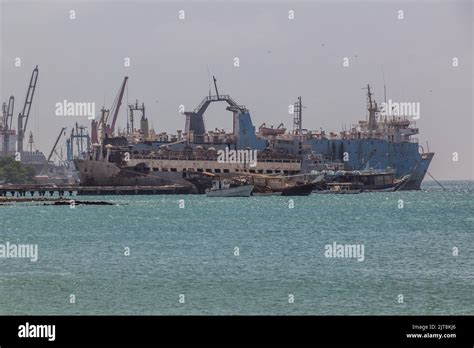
<point x="171" y="61"/>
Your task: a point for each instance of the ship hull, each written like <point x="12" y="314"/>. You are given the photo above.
<point x="239" y="191"/>
<point x="404" y="157"/>
<point x="419" y="172"/>
<point x="99" y="173"/>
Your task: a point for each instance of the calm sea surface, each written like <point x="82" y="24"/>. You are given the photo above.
<point x="281" y="252"/>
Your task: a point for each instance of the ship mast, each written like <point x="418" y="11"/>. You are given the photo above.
<point x="298" y="118"/>
<point x="372" y="108"/>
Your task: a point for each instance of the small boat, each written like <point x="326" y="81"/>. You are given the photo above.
<point x="390" y="189"/>
<point x="265" y="131"/>
<point x="269" y="193"/>
<point x="344" y="182"/>
<point x="223" y="188"/>
<point x="298" y="190"/>
<point x="340" y="188"/>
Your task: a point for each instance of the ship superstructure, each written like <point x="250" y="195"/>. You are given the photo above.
<point x="381" y="142"/>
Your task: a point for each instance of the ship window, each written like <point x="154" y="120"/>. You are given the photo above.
<point x="279" y="171"/>
<point x="217" y="170"/>
<point x="156" y="169"/>
<point x="209" y="170"/>
<point x="226" y="170"/>
<point x="184" y="169"/>
<point x="252" y="171"/>
<point x="173" y="169"/>
<point x="260" y="171"/>
<point x="269" y="171"/>
<point x="236" y="170"/>
<point x="284" y="172"/>
<point x="200" y="170"/>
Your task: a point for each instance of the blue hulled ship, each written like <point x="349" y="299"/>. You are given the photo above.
<point x="142" y="157"/>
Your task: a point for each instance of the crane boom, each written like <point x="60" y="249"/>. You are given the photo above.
<point x="215" y="86"/>
<point x="23" y="117"/>
<point x="53" y="149"/>
<point x="11" y="103"/>
<point x="119" y="102"/>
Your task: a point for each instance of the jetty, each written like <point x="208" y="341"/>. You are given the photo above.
<point x="49" y="201"/>
<point x="34" y="190"/>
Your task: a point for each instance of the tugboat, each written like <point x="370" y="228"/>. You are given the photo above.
<point x="224" y="188"/>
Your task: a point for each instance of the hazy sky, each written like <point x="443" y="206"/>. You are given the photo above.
<point x="82" y="60"/>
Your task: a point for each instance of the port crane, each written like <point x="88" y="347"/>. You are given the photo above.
<point x="63" y="131"/>
<point x="7" y="117"/>
<point x="24" y="115"/>
<point x="108" y="129"/>
<point x="7" y="110"/>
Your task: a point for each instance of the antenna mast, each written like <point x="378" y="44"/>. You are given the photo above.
<point x="215" y="86"/>
<point x="209" y="80"/>
<point x="384" y="87"/>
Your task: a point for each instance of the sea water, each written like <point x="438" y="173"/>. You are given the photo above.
<point x="192" y="254"/>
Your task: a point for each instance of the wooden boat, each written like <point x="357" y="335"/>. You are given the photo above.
<point x="269" y="193"/>
<point x="340" y="188"/>
<point x="361" y="181"/>
<point x="298" y="190"/>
